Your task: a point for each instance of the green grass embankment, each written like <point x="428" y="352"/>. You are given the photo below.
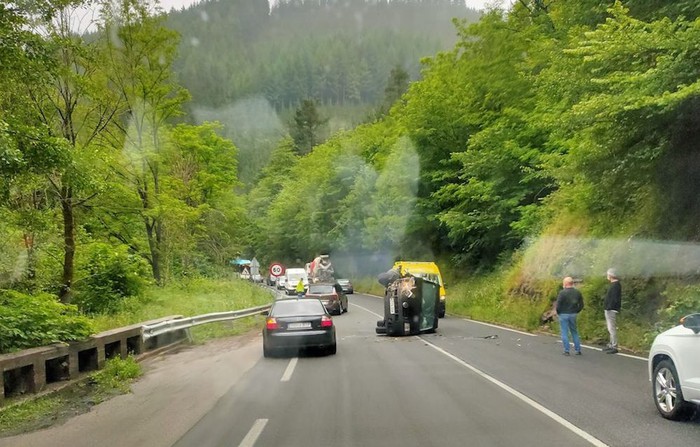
<point x="189" y="298"/>
<point x="487" y="298"/>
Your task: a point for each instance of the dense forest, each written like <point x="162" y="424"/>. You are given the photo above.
<point x="249" y="66"/>
<point x="553" y="138"/>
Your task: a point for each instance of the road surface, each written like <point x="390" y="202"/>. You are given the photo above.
<point x="468" y="384"/>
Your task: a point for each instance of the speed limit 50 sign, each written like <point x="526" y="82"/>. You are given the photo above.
<point x="276" y="270"/>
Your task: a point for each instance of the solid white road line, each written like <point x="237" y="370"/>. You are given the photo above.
<point x="621" y="354"/>
<point x="367" y="310"/>
<point x="290" y="370"/>
<point x="254" y="433"/>
<point x="587" y="436"/>
<point x="500" y="327"/>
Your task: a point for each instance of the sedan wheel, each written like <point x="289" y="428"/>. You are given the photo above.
<point x="668" y="396"/>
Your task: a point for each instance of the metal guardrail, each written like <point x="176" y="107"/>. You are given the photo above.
<point x="179" y="324"/>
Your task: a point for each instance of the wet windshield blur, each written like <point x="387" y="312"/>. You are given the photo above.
<point x="191" y="160"/>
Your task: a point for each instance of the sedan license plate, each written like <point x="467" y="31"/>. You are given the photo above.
<point x="305" y="325"/>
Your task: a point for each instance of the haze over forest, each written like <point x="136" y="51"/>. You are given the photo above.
<point x="249" y="66"/>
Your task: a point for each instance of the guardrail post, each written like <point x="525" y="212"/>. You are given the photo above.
<point x="2" y="387"/>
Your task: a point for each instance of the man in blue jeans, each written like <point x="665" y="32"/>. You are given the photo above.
<point x="569" y="304"/>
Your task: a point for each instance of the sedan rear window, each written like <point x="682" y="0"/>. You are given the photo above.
<point x="293" y="308"/>
<point x="321" y="289"/>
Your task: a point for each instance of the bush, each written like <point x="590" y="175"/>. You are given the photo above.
<point x="110" y="274"/>
<point x="681" y="300"/>
<point x="27" y="321"/>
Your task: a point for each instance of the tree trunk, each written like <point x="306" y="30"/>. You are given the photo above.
<point x="68" y="244"/>
<point x="154" y="246"/>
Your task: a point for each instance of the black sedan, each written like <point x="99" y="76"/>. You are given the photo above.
<point x="331" y="295"/>
<point x="346" y="285"/>
<point x="296" y="324"/>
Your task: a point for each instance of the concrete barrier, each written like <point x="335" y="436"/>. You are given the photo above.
<point x="32" y="370"/>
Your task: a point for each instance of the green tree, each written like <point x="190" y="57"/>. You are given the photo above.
<point x="395" y="88"/>
<point x="141" y="54"/>
<point x="74" y="107"/>
<point x="307" y="128"/>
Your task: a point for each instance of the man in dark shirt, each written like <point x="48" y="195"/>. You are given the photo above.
<point x="569" y="304"/>
<point x="612" y="304"/>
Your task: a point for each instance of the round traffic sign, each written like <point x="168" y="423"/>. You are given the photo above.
<point x="277" y="270"/>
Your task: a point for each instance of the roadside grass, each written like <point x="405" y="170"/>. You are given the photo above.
<point x="31" y="415"/>
<point x="483" y="298"/>
<point x="368" y="284"/>
<point x="189" y="298"/>
<point x="201" y="334"/>
<point x="55" y="408"/>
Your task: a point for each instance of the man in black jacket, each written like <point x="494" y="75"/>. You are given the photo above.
<point x="613" y="301"/>
<point x="569" y="304"/>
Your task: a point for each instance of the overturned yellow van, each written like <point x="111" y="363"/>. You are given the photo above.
<point x="429" y="271"/>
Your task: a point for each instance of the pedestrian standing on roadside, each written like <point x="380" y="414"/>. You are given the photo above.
<point x="612" y="304"/>
<point x="569" y="304"/>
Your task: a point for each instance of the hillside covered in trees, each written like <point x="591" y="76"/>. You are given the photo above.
<point x="250" y="65"/>
<point x="338" y="52"/>
<point x="556" y="138"/>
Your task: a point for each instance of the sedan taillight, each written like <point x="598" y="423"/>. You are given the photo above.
<point x="326" y="321"/>
<point x="271" y="324"/>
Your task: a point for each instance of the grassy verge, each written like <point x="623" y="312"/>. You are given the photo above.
<point x="484" y="298"/>
<point x="114" y="379"/>
<point x="189" y="298"/>
<point x="368" y="285"/>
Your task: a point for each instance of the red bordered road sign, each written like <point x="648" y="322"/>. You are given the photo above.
<point x="277" y="270"/>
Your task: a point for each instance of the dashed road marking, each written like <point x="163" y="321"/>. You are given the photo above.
<point x="290" y="370"/>
<point x="253" y="433"/>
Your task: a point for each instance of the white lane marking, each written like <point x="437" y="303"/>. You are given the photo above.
<point x="595" y="348"/>
<point x="367" y="310"/>
<point x="588" y="437"/>
<point x="254" y="433"/>
<point x="500" y="327"/>
<point x="290" y="370"/>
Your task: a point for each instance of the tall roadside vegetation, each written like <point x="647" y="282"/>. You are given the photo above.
<point x="554" y="139"/>
<point x="103" y="189"/>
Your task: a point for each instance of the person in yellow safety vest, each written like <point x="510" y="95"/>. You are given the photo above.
<point x="300" y="288"/>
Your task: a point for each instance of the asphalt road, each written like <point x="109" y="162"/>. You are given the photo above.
<point x="469" y="384"/>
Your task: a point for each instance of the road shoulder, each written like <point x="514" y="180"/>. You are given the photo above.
<point x="174" y="393"/>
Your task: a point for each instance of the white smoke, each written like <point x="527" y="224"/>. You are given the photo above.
<point x="584" y="257"/>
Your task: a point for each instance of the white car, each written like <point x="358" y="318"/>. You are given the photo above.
<point x="674" y="368"/>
